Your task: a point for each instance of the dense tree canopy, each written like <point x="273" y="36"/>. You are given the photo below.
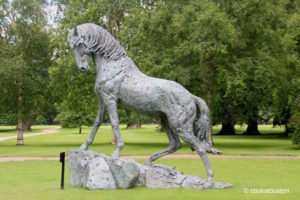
<point x="242" y="57"/>
<point x="237" y="54"/>
<point x="24" y="61"/>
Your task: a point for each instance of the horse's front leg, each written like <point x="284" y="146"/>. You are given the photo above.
<point x="112" y="108"/>
<point x="97" y="123"/>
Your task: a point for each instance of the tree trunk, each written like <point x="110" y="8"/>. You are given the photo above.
<point x="30" y="120"/>
<point x="133" y="125"/>
<point x="208" y="102"/>
<point x="160" y="128"/>
<point x="252" y="128"/>
<point x="26" y="126"/>
<point x="20" y="138"/>
<point x="135" y="122"/>
<point x="80" y="129"/>
<point x="286" y="132"/>
<point x="227" y="129"/>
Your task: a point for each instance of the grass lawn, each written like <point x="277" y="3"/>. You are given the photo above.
<point x="145" y="141"/>
<point x="41" y="180"/>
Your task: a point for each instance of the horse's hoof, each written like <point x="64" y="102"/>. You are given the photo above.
<point x="148" y="163"/>
<point x="115" y="155"/>
<point x="83" y="147"/>
<point x="208" y="183"/>
<point x="215" y="151"/>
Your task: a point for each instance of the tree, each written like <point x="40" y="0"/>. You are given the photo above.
<point x="295" y="119"/>
<point x="184" y="41"/>
<point x="241" y="56"/>
<point x="75" y="98"/>
<point x="285" y="94"/>
<point x="267" y="50"/>
<point x="24" y="61"/>
<point x="293" y="78"/>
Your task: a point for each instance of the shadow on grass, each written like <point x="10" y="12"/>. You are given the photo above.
<point x="233" y="145"/>
<point x="7" y="130"/>
<point x="14" y="131"/>
<point x="252" y="145"/>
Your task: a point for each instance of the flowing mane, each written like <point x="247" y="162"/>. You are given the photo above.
<point x="97" y="40"/>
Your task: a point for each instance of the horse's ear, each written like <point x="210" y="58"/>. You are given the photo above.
<point x="75" y="32"/>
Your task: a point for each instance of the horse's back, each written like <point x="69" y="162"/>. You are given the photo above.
<point x="153" y="95"/>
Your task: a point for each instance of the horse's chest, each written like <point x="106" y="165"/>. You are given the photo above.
<point x="109" y="81"/>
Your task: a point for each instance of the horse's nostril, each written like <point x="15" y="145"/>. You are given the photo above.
<point x="82" y="68"/>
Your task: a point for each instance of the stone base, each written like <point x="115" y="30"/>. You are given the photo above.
<point x="97" y="171"/>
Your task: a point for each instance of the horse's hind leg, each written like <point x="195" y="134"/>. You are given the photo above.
<point x="190" y="139"/>
<point x="97" y="123"/>
<point x="174" y="143"/>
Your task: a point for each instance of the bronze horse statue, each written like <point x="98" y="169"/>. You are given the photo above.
<point x="118" y="80"/>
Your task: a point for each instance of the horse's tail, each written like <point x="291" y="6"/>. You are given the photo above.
<point x="202" y="126"/>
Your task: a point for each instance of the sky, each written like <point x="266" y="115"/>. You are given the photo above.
<point x="53" y="14"/>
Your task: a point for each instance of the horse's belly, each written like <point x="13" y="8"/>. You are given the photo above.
<point x="139" y="109"/>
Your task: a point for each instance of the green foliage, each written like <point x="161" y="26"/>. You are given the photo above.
<point x="73" y="120"/>
<point x="40" y="119"/>
<point x="75" y="98"/>
<point x="295" y="109"/>
<point x="240" y="56"/>
<point x="180" y="41"/>
<point x="295" y="125"/>
<point x="8" y="119"/>
<point x="24" y="60"/>
<point x="262" y="65"/>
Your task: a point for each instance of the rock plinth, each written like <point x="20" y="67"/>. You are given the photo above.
<point x="98" y="171"/>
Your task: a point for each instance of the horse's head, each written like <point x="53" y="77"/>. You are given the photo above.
<point x="80" y="50"/>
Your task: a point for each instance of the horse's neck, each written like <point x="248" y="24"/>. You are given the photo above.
<point x="100" y="61"/>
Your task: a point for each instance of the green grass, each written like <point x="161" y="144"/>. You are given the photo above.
<point x="143" y="141"/>
<point x="41" y="180"/>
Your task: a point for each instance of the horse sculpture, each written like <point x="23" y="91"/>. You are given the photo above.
<point x="118" y="80"/>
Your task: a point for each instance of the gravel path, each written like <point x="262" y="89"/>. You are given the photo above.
<point x="181" y="156"/>
<point x="44" y="132"/>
